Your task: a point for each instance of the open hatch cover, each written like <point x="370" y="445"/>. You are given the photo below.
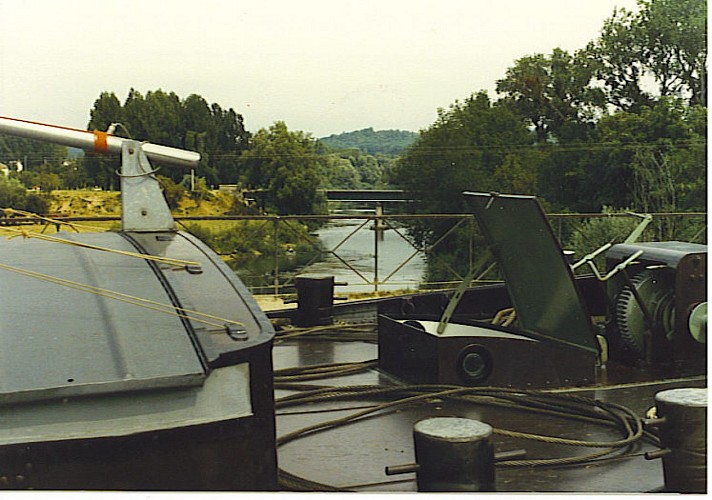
<point x="538" y="277"/>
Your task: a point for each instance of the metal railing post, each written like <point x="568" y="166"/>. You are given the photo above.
<point x="375" y="254"/>
<point x="275" y="222"/>
<point x="558" y="221"/>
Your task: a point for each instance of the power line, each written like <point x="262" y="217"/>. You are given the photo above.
<point x="553" y="148"/>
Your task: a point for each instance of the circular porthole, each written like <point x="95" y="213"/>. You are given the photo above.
<point x="474" y="364"/>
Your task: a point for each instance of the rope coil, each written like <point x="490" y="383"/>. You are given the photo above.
<point x="558" y="404"/>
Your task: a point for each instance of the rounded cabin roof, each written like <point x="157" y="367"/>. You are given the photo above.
<point x="79" y="320"/>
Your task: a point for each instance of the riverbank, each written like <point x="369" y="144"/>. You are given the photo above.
<point x="264" y="252"/>
<point x="88" y="202"/>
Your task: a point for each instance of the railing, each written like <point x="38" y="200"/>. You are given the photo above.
<point x="377" y="277"/>
<point x="279" y="271"/>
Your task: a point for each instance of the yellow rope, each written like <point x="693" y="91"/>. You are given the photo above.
<point x="54" y="239"/>
<point x="130" y="299"/>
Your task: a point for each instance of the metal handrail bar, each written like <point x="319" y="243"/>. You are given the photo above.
<point x="581" y="215"/>
<point x="366" y="218"/>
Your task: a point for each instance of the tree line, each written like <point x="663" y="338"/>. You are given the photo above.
<point x="288" y="165"/>
<point x="618" y="124"/>
<point x="389" y="142"/>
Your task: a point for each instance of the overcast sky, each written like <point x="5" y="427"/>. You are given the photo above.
<point x="322" y="66"/>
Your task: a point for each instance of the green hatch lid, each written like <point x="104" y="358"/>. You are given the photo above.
<point x="539" y="279"/>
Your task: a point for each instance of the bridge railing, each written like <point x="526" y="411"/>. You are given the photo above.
<point x="376" y="270"/>
<point x="456" y="245"/>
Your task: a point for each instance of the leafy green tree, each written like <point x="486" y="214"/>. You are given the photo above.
<point x="593" y="233"/>
<point x="616" y="57"/>
<point x="226" y="140"/>
<point x="30" y="153"/>
<point x="74" y="174"/>
<point x="666" y="40"/>
<point x="554" y="93"/>
<point x="352" y="168"/>
<point x="172" y="191"/>
<point x="197" y="187"/>
<point x="675" y="46"/>
<point x="370" y="169"/>
<point x="163" y="118"/>
<point x="465" y="149"/>
<point x="519" y="172"/>
<point x="13" y="194"/>
<point x="36" y="203"/>
<point x="460" y="151"/>
<point x="652" y="161"/>
<point x="389" y="142"/>
<point x="340" y="173"/>
<point x="46" y="181"/>
<point x="132" y="114"/>
<point x="285" y="164"/>
<point x="106" y="110"/>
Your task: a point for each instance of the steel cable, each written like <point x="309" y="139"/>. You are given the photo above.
<point x="556" y="404"/>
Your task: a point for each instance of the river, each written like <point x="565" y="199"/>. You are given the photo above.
<point x="359" y="251"/>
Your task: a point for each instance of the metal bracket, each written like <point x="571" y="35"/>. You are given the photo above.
<point x="635" y="234"/>
<point x="462" y="288"/>
<point x="632" y="238"/>
<point x="143" y="206"/>
<point x="620" y="267"/>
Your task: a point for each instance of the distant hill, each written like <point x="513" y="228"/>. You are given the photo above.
<point x="389" y="142"/>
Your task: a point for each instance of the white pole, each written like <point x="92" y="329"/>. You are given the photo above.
<point x="96" y="141"/>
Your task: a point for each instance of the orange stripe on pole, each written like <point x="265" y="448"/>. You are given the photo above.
<point x="100" y="145"/>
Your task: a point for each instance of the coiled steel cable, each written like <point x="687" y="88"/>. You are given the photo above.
<point x="562" y="405"/>
<point x="558" y="404"/>
<point x="342" y="332"/>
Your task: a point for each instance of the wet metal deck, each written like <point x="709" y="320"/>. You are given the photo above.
<point x="354" y="456"/>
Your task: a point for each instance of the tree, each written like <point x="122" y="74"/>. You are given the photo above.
<point x="163" y="118"/>
<point x="675" y="46"/>
<point x="553" y="92"/>
<point x="106" y="110"/>
<point x="666" y="41"/>
<point x="287" y="166"/>
<point x="226" y="140"/>
<point x="653" y="161"/>
<point x="341" y="173"/>
<point x="99" y="168"/>
<point x="616" y="57"/>
<point x="460" y="151"/>
<point x="519" y="172"/>
<point x="465" y="149"/>
<point x="172" y="191"/>
<point x="30" y="153"/>
<point x="13" y="194"/>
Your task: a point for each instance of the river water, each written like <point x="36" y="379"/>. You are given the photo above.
<point x="358" y="250"/>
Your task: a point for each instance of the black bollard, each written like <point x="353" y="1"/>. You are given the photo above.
<point x="315" y="298"/>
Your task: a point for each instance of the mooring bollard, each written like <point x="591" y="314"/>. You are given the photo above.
<point x="454" y="454"/>
<point x="315" y="298"/>
<point x="682" y="419"/>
